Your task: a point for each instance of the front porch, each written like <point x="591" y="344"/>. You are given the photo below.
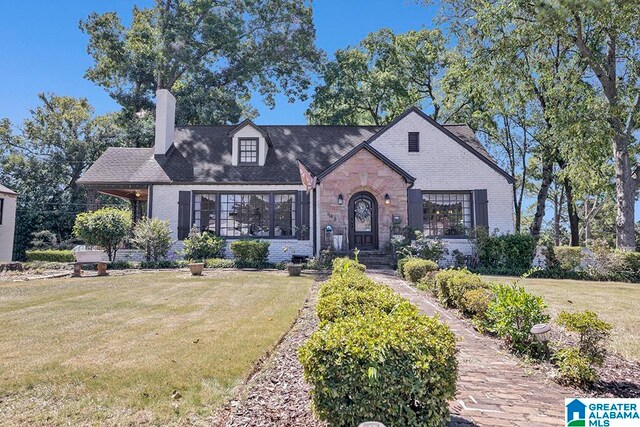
<point x="136" y="195"/>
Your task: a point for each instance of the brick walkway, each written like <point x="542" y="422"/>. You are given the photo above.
<point x="494" y="387"/>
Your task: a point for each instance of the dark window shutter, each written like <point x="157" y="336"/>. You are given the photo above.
<point x="415" y="211"/>
<point x="184" y="214"/>
<point x="414" y="142"/>
<point x="303" y="215"/>
<point x="481" y="205"/>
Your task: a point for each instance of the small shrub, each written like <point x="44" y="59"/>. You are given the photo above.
<point x="400" y="266"/>
<point x="574" y="367"/>
<point x="415" y="269"/>
<point x="347" y="302"/>
<point x="450" y="286"/>
<point x="568" y="257"/>
<point x="50" y="255"/>
<point x="397" y="369"/>
<point x="511" y="315"/>
<point x="219" y="263"/>
<point x="416" y="245"/>
<point x="106" y="227"/>
<point x="592" y="333"/>
<point x="350" y="280"/>
<point x="44" y="239"/>
<point x="45" y="265"/>
<point x="153" y="237"/>
<point x="201" y="246"/>
<point x="629" y="266"/>
<point x="250" y="251"/>
<point x="343" y="265"/>
<point x="428" y="282"/>
<point x="513" y="251"/>
<point x="476" y="302"/>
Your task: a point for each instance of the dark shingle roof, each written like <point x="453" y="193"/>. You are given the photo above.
<point x="202" y="154"/>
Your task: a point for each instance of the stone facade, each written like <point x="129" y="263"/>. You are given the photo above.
<point x="362" y="172"/>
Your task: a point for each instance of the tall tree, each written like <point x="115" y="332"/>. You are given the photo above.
<point x="378" y="79"/>
<point x="45" y="158"/>
<point x="212" y="54"/>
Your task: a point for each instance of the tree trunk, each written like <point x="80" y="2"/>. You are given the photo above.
<point x="557" y="206"/>
<point x="625" y="195"/>
<point x="572" y="212"/>
<point x="541" y="201"/>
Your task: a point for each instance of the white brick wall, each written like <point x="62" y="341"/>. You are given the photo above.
<point x="442" y="164"/>
<point x="165" y="206"/>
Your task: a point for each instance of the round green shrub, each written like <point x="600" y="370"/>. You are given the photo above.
<point x="592" y="333"/>
<point x="451" y="285"/>
<point x="476" y="302"/>
<point x="250" y="251"/>
<point x="347" y="302"/>
<point x="202" y="246"/>
<point x="415" y="269"/>
<point x="512" y="313"/>
<point x="574" y="367"/>
<point x="353" y="280"/>
<point x="398" y="369"/>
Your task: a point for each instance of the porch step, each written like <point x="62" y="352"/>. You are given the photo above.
<point x="375" y="260"/>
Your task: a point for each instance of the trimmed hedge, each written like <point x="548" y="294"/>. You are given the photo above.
<point x="250" y="251"/>
<point x="451" y="285"/>
<point x="415" y="269"/>
<point x="398" y="369"/>
<point x="375" y="357"/>
<point x="346" y="302"/>
<point x="50" y="255"/>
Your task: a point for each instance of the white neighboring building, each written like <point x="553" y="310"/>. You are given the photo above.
<point x="8" y="200"/>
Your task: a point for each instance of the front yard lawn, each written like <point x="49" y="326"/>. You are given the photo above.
<point x="113" y="350"/>
<point x="614" y="302"/>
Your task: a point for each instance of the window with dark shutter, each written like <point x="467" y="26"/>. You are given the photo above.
<point x="414" y="142"/>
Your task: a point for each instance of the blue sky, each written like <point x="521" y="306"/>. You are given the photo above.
<point x="42" y="49"/>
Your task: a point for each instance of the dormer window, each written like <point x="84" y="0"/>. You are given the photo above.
<point x="248" y="153"/>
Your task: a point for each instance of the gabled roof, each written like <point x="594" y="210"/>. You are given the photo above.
<point x="202" y="154"/>
<point x="5" y="190"/>
<point x="246" y="123"/>
<point x="366" y="146"/>
<point x="462" y="134"/>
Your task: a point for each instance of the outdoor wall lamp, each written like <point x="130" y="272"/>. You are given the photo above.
<point x="137" y="194"/>
<point x="387" y="199"/>
<point x="340" y="199"/>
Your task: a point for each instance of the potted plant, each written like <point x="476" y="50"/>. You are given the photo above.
<point x="293" y="268"/>
<point x="199" y="247"/>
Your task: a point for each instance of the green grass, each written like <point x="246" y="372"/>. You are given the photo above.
<point x="614" y="302"/>
<point x="112" y="350"/>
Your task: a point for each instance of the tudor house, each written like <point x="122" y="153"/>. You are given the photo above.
<point x="306" y="187"/>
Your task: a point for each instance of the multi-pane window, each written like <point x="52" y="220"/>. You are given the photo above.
<point x="204" y="212"/>
<point x="244" y="215"/>
<point x="248" y="151"/>
<point x="447" y="214"/>
<point x="284" y="214"/>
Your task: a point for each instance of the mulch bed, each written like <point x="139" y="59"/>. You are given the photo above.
<point x="277" y="394"/>
<point x="619" y="377"/>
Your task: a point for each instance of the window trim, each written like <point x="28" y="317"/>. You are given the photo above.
<point x="417" y="150"/>
<point x="1" y="209"/>
<point x="472" y="213"/>
<point x="271" y="195"/>
<point x="240" y="162"/>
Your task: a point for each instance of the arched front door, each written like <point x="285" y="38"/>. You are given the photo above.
<point x="363" y="221"/>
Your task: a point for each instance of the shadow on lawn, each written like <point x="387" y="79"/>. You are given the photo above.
<point x="625" y="389"/>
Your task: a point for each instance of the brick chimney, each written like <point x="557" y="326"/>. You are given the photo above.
<point x="165" y="121"/>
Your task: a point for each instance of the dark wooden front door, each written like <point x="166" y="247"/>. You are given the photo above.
<point x="363" y="222"/>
